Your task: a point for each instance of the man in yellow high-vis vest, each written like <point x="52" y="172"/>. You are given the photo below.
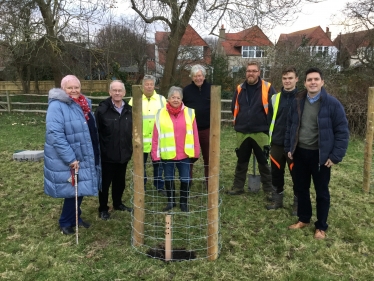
<point x="151" y="103"/>
<point x="278" y="111"/>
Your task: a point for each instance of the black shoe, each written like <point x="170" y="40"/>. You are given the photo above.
<point x="104" y="215"/>
<point x="162" y="192"/>
<point x="67" y="230"/>
<point x="122" y="207"/>
<point x="84" y="224"/>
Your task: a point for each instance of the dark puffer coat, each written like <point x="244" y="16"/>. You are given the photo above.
<point x="115" y="132"/>
<point x="332" y="126"/>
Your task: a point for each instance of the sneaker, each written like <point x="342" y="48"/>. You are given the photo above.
<point x="104" y="215"/>
<point x="122" y="207"/>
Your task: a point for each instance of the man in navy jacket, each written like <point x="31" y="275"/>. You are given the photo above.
<point x="316" y="138"/>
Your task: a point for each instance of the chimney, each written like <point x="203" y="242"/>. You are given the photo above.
<point x="222" y="34"/>
<point x="328" y="33"/>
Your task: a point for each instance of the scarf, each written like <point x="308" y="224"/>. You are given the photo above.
<point x="173" y="110"/>
<point x="82" y="102"/>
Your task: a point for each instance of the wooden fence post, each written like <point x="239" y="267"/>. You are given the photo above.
<point x="369" y="141"/>
<point x="9" y="104"/>
<point x="138" y="166"/>
<point x="214" y="167"/>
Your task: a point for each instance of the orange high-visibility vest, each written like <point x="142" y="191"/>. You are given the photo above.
<point x="265" y="94"/>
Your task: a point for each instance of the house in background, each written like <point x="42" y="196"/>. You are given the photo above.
<point x="353" y="46"/>
<point x="192" y="50"/>
<point x="247" y="45"/>
<point x="315" y="39"/>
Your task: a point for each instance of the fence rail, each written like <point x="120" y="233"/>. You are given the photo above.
<point x="7" y="105"/>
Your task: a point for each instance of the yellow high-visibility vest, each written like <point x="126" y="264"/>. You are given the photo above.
<point x="166" y="140"/>
<point x="275" y="103"/>
<point x="150" y="106"/>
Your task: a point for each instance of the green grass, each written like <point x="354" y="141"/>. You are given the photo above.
<point x="256" y="244"/>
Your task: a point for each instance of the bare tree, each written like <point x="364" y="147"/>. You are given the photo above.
<point x="359" y="43"/>
<point x="176" y="15"/>
<point x="124" y="43"/>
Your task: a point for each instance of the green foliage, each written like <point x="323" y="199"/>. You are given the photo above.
<point x="256" y="244"/>
<point x="221" y="74"/>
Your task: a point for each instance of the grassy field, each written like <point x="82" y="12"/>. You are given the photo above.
<point x="256" y="244"/>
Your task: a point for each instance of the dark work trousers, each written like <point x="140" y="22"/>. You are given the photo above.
<point x="158" y="181"/>
<point x="245" y="150"/>
<point x="244" y="154"/>
<point x="204" y="144"/>
<point x="115" y="174"/>
<point x="307" y="167"/>
<point x="67" y="218"/>
<point x="279" y="158"/>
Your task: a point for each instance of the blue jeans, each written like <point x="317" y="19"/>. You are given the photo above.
<point x="183" y="167"/>
<point x="158" y="182"/>
<point x="67" y="217"/>
<point x="306" y="167"/>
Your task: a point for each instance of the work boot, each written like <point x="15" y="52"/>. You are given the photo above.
<point x="270" y="196"/>
<point x="239" y="178"/>
<point x="170" y="193"/>
<point x="294" y="207"/>
<point x="183" y="201"/>
<point x="277" y="203"/>
<point x="265" y="173"/>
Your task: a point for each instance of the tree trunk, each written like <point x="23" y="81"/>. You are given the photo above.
<point x="171" y="57"/>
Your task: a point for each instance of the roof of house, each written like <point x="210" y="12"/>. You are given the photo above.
<point x="190" y="38"/>
<point x="354" y="40"/>
<point x="252" y="36"/>
<point x="314" y="36"/>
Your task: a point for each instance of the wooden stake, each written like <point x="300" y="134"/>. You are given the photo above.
<point x="214" y="167"/>
<point x="369" y="141"/>
<point x="168" y="238"/>
<point x="138" y="165"/>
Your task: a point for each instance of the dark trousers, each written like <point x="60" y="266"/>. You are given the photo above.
<point x="204" y="136"/>
<point x="245" y="150"/>
<point x="115" y="174"/>
<point x="279" y="159"/>
<point x="67" y="217"/>
<point x="307" y="167"/>
<point x="158" y="181"/>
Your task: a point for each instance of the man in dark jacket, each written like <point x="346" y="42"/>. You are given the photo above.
<point x="316" y="138"/>
<point x="114" y="123"/>
<point x="278" y="111"/>
<point x="197" y="96"/>
<point x="250" y="108"/>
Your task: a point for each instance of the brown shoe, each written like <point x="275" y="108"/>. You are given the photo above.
<point x="319" y="234"/>
<point x="298" y="225"/>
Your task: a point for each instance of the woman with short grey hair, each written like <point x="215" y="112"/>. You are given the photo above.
<point x="197" y="96"/>
<point x="196" y="68"/>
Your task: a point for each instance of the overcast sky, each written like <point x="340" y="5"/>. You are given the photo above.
<point x="321" y="14"/>
<point x="324" y="14"/>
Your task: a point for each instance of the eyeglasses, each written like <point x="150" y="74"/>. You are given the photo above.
<point x="251" y="71"/>
<point x="116" y="91"/>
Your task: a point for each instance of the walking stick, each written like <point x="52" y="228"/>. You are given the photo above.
<point x="76" y="204"/>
